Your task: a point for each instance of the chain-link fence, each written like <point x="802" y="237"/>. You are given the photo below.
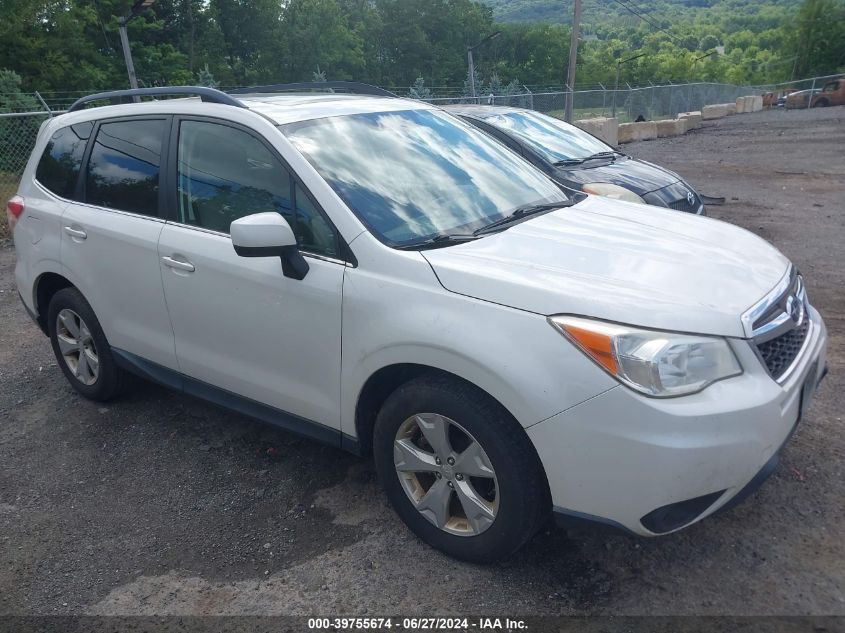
<point x="627" y="104"/>
<point x="17" y="136"/>
<point x="650" y="102"/>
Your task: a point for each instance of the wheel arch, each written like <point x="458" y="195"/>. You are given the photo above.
<point x="46" y="286"/>
<point x="384" y="381"/>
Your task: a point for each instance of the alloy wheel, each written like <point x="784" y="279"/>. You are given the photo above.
<point x="446" y="474"/>
<point x="77" y="346"/>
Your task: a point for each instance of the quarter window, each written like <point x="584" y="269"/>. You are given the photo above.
<point x="123" y="171"/>
<point x="226" y="174"/>
<point x="58" y="169"/>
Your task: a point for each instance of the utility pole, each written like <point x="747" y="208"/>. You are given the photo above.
<point x="573" y="54"/>
<point x="127" y="52"/>
<point x="471" y="65"/>
<point x="122" y="21"/>
<point x="471" y="62"/>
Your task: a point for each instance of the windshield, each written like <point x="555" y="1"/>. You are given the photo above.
<point x="551" y="138"/>
<point x="415" y="174"/>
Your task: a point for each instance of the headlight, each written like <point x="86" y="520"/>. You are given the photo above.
<point x="660" y="364"/>
<point x="609" y="190"/>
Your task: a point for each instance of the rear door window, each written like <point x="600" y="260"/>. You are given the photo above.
<point x="123" y="171"/>
<point x="58" y="169"/>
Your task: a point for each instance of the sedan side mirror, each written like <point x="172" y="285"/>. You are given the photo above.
<point x="269" y="235"/>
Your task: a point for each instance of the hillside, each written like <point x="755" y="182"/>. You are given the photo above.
<point x="600" y="12"/>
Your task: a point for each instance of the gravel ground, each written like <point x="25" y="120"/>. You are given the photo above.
<point x="161" y="504"/>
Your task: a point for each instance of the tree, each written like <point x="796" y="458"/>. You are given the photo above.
<point x="17" y="134"/>
<point x="419" y="90"/>
<point x="206" y="78"/>
<point x="818" y="41"/>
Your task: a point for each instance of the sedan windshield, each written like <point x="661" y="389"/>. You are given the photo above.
<point x="551" y="138"/>
<point x="414" y="175"/>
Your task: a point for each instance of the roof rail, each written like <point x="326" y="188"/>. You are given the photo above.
<point x="353" y="87"/>
<point x="209" y="95"/>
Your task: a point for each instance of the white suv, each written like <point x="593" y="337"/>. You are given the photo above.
<point x="373" y="273"/>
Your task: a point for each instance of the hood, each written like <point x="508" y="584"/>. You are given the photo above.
<point x="637" y="175"/>
<point x="621" y="262"/>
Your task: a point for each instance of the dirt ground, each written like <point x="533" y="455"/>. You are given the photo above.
<point x="161" y="504"/>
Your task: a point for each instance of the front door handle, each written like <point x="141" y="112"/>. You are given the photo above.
<point x="78" y="234"/>
<point x="178" y="264"/>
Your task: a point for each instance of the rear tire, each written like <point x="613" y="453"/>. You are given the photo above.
<point x="821" y="103"/>
<point x="81" y="348"/>
<point x="503" y="484"/>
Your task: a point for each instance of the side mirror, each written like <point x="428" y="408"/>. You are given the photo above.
<point x="269" y="235"/>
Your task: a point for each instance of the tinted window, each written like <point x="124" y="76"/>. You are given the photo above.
<point x="313" y="231"/>
<point x="58" y="169"/>
<point x="551" y="138"/>
<point x="217" y="187"/>
<point x="412" y="174"/>
<point x="124" y="167"/>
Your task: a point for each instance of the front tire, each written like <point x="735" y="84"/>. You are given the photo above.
<point x="81" y="348"/>
<point x="458" y="469"/>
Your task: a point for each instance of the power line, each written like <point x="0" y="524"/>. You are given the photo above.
<point x="648" y="20"/>
<point x="102" y="26"/>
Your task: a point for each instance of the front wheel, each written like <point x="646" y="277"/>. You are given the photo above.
<point x="459" y="470"/>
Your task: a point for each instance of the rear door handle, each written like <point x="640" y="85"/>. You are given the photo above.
<point x="77" y="233"/>
<point x="178" y="264"/>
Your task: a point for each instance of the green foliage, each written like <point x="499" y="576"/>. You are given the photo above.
<point x="74" y="44"/>
<point x="419" y="90"/>
<point x="206" y="78"/>
<point x="17" y="134"/>
<point x="818" y="37"/>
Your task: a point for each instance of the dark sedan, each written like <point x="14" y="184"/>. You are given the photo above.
<point x="578" y="160"/>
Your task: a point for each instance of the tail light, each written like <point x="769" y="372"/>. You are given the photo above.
<point x="14" y="209"/>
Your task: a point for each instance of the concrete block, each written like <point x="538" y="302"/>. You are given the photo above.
<point x="756" y="103"/>
<point x="741" y="105"/>
<point x="605" y="128"/>
<point x="643" y="131"/>
<point x="693" y="119"/>
<point x="714" y="111"/>
<point x="671" y="127"/>
<point x="730" y="108"/>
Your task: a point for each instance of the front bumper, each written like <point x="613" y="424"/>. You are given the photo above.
<point x="634" y="462"/>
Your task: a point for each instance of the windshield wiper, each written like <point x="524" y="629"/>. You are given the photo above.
<point x="524" y="211"/>
<point x="569" y="161"/>
<point x="441" y="239"/>
<point x="599" y="155"/>
<point x="611" y="155"/>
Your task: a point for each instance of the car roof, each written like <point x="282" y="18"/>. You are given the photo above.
<point x="279" y="108"/>
<point x="292" y="107"/>
<point x="477" y="111"/>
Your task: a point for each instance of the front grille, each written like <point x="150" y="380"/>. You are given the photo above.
<point x="684" y="205"/>
<point x="779" y="353"/>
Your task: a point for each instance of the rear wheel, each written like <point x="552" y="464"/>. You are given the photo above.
<point x="458" y="469"/>
<point x="81" y="347"/>
<point x="821" y="103"/>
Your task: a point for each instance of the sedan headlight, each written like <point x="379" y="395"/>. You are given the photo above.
<point x="609" y="190"/>
<point x="656" y="363"/>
